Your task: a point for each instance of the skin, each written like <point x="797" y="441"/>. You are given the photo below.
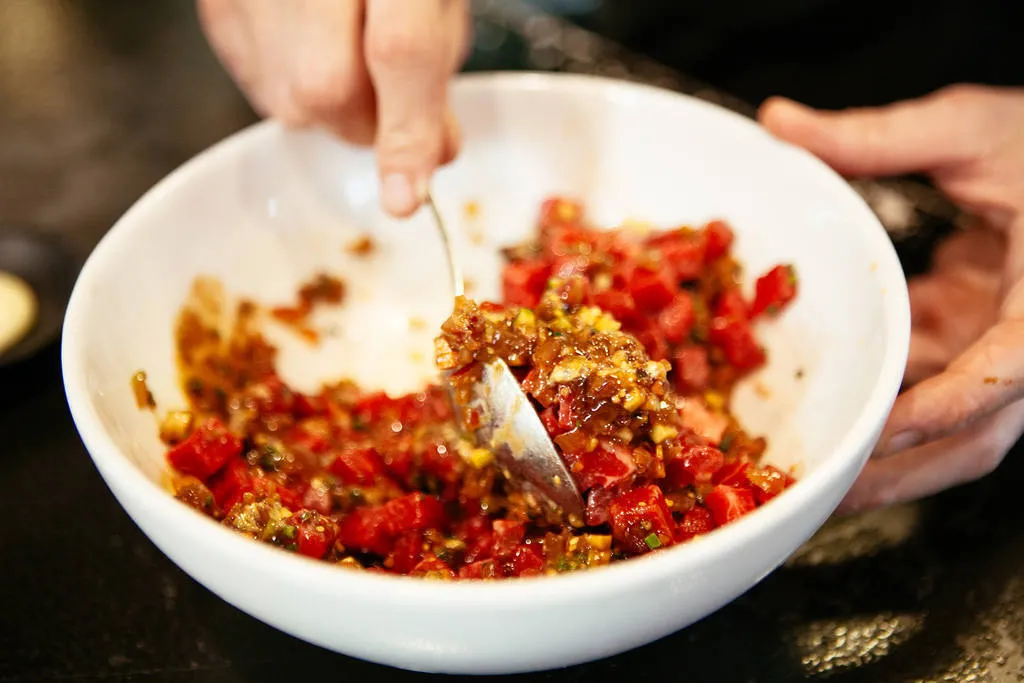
<point x="370" y="71"/>
<point x="962" y="407"/>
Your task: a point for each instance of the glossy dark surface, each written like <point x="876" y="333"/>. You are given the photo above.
<point x="100" y="99"/>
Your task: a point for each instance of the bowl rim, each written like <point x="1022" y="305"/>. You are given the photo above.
<point x="654" y="568"/>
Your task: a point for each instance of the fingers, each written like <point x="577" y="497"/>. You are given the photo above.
<point x="412" y="50"/>
<point x="918" y="135"/>
<point x="928" y="356"/>
<point x="229" y="37"/>
<point x="988" y="376"/>
<point x="330" y="83"/>
<point x="928" y="469"/>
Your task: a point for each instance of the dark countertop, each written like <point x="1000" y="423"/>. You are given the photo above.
<point x="98" y="100"/>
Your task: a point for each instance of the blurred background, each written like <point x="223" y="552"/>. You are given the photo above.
<point x="99" y="99"/>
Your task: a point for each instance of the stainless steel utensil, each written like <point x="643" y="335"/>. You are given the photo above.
<point x="510" y="426"/>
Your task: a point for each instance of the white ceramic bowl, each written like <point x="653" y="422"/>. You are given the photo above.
<point x="267" y="208"/>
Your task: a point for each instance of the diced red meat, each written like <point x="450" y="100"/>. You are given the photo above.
<point x="695" y="464"/>
<point x="641" y="520"/>
<point x="737" y="342"/>
<point x="697" y="520"/>
<point x="731" y="305"/>
<point x="205" y="451"/>
<point x="718" y="238"/>
<point x="527" y="560"/>
<point x="729" y="503"/>
<point x="677" y="318"/>
<point x="523" y="282"/>
<point x="314" y="533"/>
<point x="606" y="466"/>
<point x="774" y="290"/>
<point x="506" y="537"/>
<point x="691" y="369"/>
<point x="358" y="466"/>
<point x="651" y="289"/>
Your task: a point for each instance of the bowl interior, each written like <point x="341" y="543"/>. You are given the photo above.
<point x="269" y="208"/>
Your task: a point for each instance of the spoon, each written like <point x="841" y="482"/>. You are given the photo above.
<point x="509" y="425"/>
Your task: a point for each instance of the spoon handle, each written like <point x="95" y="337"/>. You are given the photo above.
<point x="458" y="286"/>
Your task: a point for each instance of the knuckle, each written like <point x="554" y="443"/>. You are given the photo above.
<point x="410" y="146"/>
<point x="327" y="88"/>
<point x="402" y="48"/>
<point x="961" y="93"/>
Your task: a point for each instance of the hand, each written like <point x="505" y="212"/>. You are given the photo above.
<point x="963" y="409"/>
<point x="371" y="71"/>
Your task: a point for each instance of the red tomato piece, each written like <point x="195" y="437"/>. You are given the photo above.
<point x="433" y="567"/>
<point x="697" y="463"/>
<point x="314" y="533"/>
<point x="730" y="304"/>
<point x="527" y="560"/>
<point x="358" y="466"/>
<point x="728" y="503"/>
<point x="652" y="290"/>
<point x="205" y="451"/>
<point x="677" y="318"/>
<point x="691" y="369"/>
<point x="718" y="237"/>
<point x="737" y="342"/>
<point x="641" y="520"/>
<point x="774" y="290"/>
<point x="697" y="520"/>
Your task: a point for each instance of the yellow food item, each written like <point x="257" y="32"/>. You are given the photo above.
<point x="18" y="310"/>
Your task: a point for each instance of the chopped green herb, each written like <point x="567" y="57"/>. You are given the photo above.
<point x="726" y="441"/>
<point x="652" y="541"/>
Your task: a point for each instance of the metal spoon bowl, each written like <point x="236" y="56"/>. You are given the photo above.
<point x="509" y="424"/>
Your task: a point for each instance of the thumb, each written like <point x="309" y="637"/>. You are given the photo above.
<point x="920" y="135"/>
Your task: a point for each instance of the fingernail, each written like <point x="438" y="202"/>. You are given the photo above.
<point x="899" y="442"/>
<point x="399" y="195"/>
